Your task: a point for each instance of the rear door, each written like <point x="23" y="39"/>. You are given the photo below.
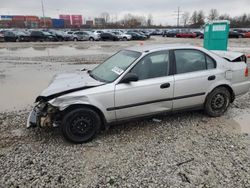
<point x="195" y="73"/>
<point x="152" y="93"/>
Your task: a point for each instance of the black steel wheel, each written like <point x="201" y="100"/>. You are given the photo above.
<point x="217" y="102"/>
<point x="81" y="125"/>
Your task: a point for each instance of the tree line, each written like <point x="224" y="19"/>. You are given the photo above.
<point x="195" y="20"/>
<point x="198" y="18"/>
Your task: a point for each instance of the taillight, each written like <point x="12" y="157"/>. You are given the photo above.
<point x="246" y="72"/>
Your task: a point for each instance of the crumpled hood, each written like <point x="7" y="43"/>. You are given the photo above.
<point x="69" y="82"/>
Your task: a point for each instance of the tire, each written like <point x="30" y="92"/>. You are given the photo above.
<point x="81" y="125"/>
<point x="240" y="36"/>
<point x="217" y="102"/>
<point x="75" y="39"/>
<point x="124" y="39"/>
<point x="91" y="39"/>
<point x="17" y="40"/>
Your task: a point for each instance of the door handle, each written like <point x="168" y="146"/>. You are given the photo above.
<point x="165" y="85"/>
<point x="211" y="78"/>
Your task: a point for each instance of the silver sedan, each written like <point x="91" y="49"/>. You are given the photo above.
<point x="137" y="82"/>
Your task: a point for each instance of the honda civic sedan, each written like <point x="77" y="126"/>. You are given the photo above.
<point x="137" y="82"/>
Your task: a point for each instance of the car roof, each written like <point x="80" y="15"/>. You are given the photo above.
<point x="146" y="48"/>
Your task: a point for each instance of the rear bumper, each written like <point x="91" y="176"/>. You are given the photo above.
<point x="241" y="88"/>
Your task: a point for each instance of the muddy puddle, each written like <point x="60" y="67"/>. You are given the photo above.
<point x="43" y="51"/>
<point x="20" y="84"/>
<point x="243" y="121"/>
<point x="240" y="123"/>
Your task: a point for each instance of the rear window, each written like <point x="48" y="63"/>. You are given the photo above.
<point x="192" y="60"/>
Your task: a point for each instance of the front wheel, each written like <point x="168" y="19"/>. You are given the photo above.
<point x="217" y="102"/>
<point x="91" y="39"/>
<point x="81" y="125"/>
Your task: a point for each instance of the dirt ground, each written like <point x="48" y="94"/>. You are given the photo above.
<point x="186" y="149"/>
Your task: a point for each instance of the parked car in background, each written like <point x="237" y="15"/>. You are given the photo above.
<point x="164" y="33"/>
<point x="234" y="34"/>
<point x="137" y="36"/>
<point x="242" y="31"/>
<point x="1" y="37"/>
<point x="109" y="36"/>
<point x="42" y="36"/>
<point x="137" y="82"/>
<point x="145" y="34"/>
<point x="98" y="32"/>
<point x="185" y="34"/>
<point x="80" y="36"/>
<point x="122" y="36"/>
<point x="70" y="35"/>
<point x="60" y="35"/>
<point x="172" y="33"/>
<point x="199" y="34"/>
<point x="16" y="36"/>
<point x="247" y="35"/>
<point x="92" y="36"/>
<point x="157" y="32"/>
<point x="85" y="35"/>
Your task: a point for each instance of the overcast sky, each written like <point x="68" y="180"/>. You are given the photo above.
<point x="162" y="10"/>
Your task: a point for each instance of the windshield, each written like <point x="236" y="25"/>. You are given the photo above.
<point x="113" y="67"/>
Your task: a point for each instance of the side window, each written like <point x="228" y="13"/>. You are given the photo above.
<point x="210" y="63"/>
<point x="152" y="66"/>
<point x="189" y="61"/>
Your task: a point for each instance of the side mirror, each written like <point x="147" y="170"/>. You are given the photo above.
<point x="130" y="77"/>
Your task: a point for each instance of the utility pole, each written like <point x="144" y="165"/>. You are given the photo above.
<point x="178" y="13"/>
<point x="44" y="22"/>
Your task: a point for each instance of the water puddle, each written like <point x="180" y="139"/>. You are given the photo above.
<point x="243" y="121"/>
<point x="21" y="84"/>
<point x="43" y="51"/>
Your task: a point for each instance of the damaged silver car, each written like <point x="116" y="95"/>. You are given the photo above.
<point x="136" y="82"/>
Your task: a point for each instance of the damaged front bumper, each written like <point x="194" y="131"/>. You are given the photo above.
<point x="43" y="115"/>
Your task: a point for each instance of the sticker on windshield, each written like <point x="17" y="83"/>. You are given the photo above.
<point x="117" y="70"/>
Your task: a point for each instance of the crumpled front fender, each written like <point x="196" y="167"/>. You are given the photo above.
<point x="63" y="102"/>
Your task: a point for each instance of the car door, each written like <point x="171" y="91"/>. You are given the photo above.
<point x="152" y="93"/>
<point x="10" y="36"/>
<point x="195" y="73"/>
<point x="85" y="36"/>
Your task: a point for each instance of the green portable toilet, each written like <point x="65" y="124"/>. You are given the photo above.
<point x="216" y="35"/>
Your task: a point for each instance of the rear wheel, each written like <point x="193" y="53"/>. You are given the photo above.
<point x="217" y="102"/>
<point x="81" y="125"/>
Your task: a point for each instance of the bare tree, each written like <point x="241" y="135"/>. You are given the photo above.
<point x="193" y="18"/>
<point x="200" y="18"/>
<point x="185" y="18"/>
<point x="213" y="14"/>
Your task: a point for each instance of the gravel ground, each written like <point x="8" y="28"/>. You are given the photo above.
<point x="175" y="150"/>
